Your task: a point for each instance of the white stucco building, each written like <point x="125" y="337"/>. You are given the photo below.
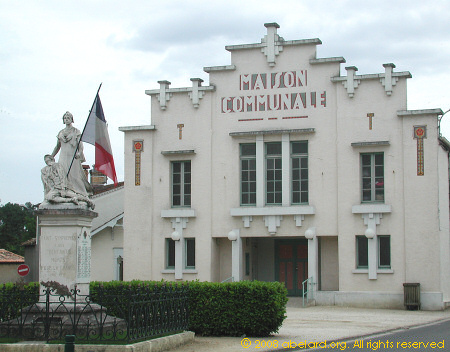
<point x="283" y="169"/>
<point x="107" y="234"/>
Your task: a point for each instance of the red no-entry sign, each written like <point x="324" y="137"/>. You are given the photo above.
<point x="23" y="269"/>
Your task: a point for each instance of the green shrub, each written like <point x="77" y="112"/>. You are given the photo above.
<point x="14" y="296"/>
<point x="251" y="308"/>
<point x="123" y="298"/>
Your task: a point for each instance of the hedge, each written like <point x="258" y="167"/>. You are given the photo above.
<point x="13" y="297"/>
<point x="115" y="295"/>
<point x="251" y="308"/>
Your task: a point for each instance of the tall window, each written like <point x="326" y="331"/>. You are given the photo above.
<point x="372" y="172"/>
<point x="273" y="173"/>
<point x="181" y="183"/>
<point x="362" y="252"/>
<point x="170" y="253"/>
<point x="248" y="174"/>
<point x="299" y="167"/>
<point x="384" y="251"/>
<point x="190" y="253"/>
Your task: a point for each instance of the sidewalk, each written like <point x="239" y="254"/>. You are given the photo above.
<point x="320" y="323"/>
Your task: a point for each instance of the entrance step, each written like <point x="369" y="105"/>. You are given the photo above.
<point x="297" y="302"/>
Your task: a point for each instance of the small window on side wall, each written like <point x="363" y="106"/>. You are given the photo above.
<point x="170" y="253"/>
<point x="190" y="253"/>
<point x="362" y="253"/>
<point x="384" y="252"/>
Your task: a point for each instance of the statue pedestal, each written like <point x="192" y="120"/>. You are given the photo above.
<point x="64" y="264"/>
<point x="65" y="246"/>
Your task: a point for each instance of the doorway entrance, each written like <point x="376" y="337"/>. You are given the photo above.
<point x="291" y="264"/>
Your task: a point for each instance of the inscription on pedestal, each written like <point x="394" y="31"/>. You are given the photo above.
<point x="56" y="254"/>
<point x="84" y="257"/>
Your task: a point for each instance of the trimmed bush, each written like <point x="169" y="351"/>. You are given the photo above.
<point x="121" y="298"/>
<point x="250" y="308"/>
<point x="14" y="296"/>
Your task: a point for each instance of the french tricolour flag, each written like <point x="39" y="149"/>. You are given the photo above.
<point x="96" y="133"/>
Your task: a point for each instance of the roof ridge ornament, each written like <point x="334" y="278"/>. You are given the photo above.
<point x="351" y="83"/>
<point x="271" y="43"/>
<point x="164" y="95"/>
<point x="388" y="81"/>
<point x="195" y="94"/>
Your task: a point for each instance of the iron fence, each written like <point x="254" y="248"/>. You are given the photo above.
<point x="127" y="316"/>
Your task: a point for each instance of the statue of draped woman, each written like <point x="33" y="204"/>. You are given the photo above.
<point x="67" y="141"/>
<point x="56" y="186"/>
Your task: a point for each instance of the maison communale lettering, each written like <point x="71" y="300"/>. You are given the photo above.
<point x="272" y="102"/>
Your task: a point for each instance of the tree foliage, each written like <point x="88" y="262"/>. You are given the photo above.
<point x="17" y="225"/>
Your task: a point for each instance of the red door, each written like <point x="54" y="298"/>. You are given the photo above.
<point x="291" y="264"/>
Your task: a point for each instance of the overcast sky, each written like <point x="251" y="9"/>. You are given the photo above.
<point x="54" y="54"/>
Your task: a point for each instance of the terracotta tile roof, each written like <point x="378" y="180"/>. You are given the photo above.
<point x="104" y="188"/>
<point x="9" y="257"/>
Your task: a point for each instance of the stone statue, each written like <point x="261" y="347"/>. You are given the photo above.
<point x="57" y="188"/>
<point x="66" y="145"/>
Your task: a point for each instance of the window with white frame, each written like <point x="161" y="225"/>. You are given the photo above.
<point x="248" y="173"/>
<point x="299" y="172"/>
<point x="273" y="173"/>
<point x="372" y="177"/>
<point x="181" y="183"/>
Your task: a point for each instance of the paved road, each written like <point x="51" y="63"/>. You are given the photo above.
<point x="423" y="338"/>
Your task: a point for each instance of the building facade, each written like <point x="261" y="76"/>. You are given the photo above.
<point x="107" y="233"/>
<point x="283" y="169"/>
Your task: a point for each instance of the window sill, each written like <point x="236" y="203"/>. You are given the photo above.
<point x="367" y="208"/>
<point x="366" y="271"/>
<point x="178" y="213"/>
<point x="185" y="271"/>
<point x="273" y="210"/>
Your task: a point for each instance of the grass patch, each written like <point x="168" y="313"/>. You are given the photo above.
<point x="9" y="340"/>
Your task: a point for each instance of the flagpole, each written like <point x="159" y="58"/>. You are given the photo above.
<point x="81" y="136"/>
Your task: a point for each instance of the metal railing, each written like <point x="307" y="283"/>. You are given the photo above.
<point x="308" y="290"/>
<point x="231" y="279"/>
<point x="130" y="317"/>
